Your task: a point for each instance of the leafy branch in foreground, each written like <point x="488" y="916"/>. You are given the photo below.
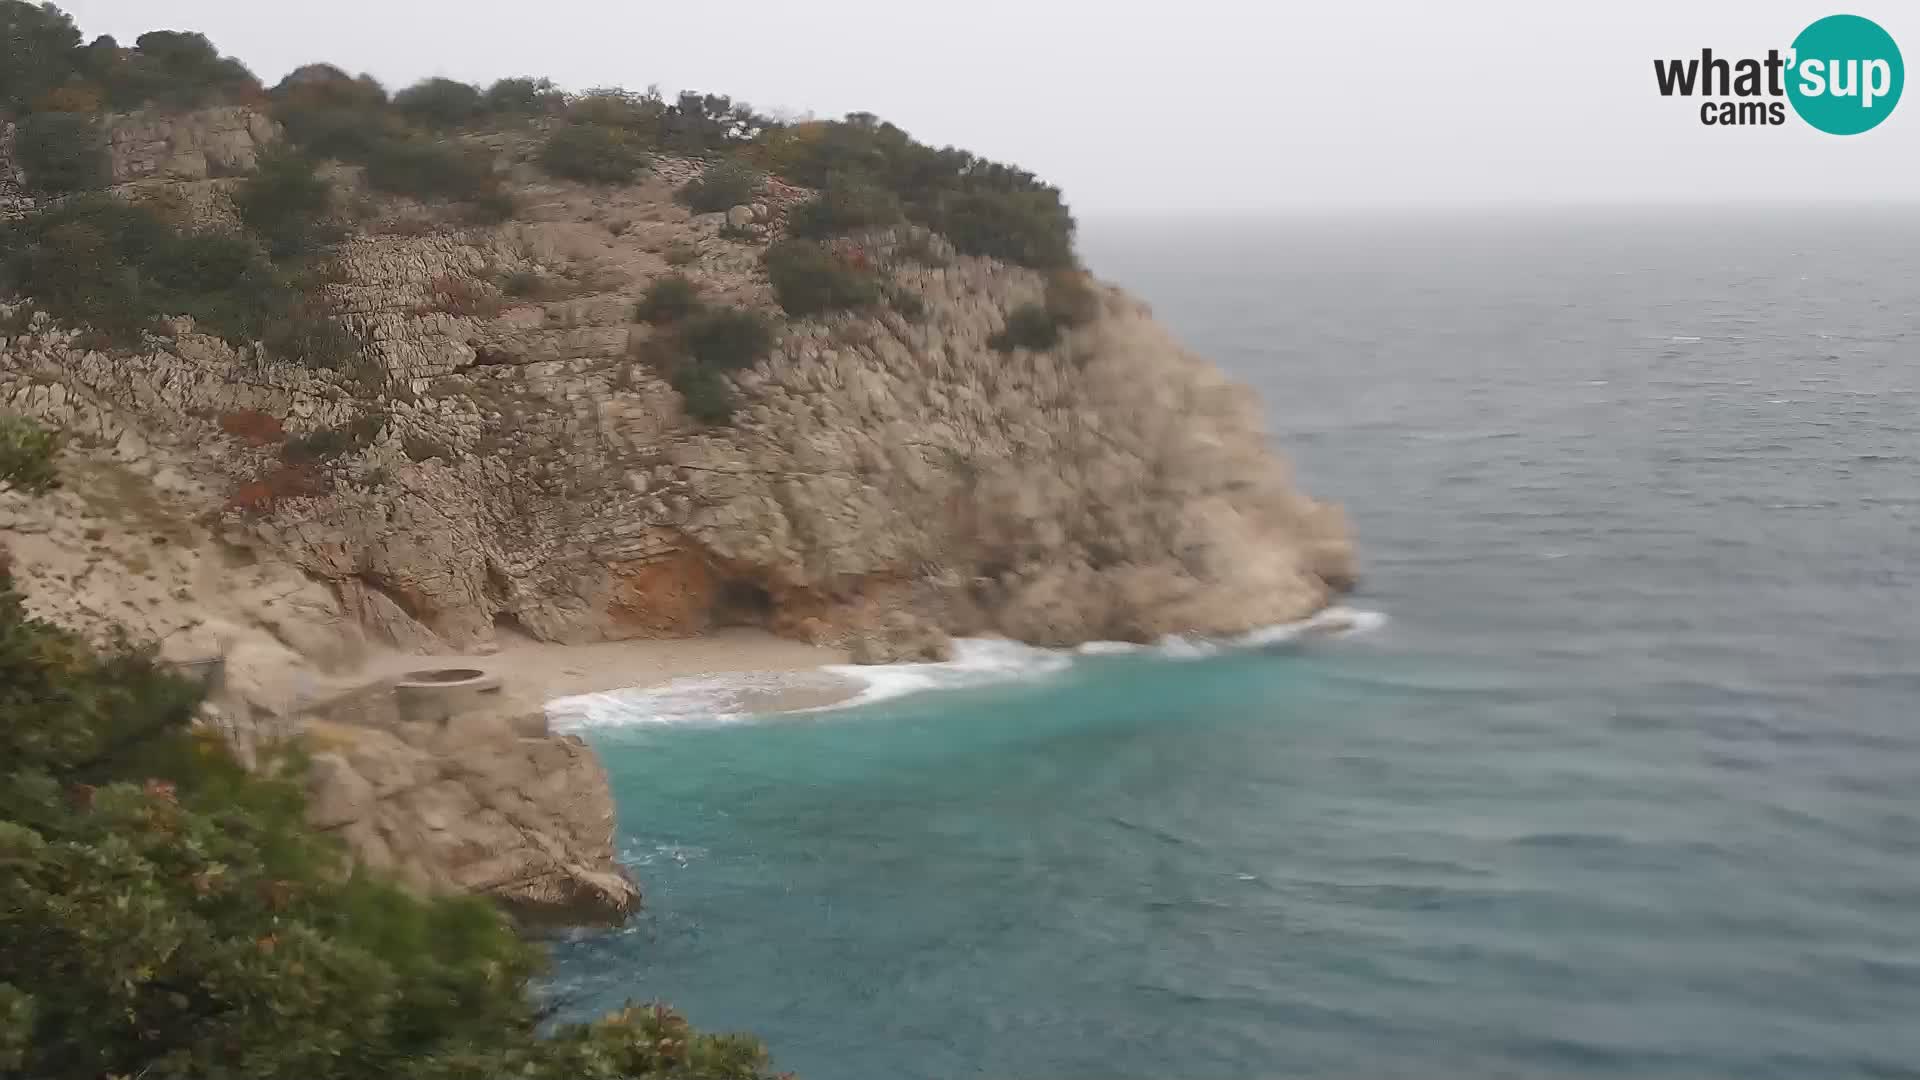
<point x="170" y="916"/>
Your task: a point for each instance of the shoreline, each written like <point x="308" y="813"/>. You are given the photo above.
<point x="535" y="673"/>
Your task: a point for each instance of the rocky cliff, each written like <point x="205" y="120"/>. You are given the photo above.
<point x="510" y="454"/>
<point x="524" y="465"/>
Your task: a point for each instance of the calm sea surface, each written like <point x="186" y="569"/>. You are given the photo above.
<point x="1627" y="784"/>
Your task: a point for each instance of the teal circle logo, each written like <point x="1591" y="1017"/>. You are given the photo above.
<point x="1846" y="76"/>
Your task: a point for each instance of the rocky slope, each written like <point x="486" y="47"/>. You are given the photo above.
<point x="133" y="543"/>
<point x="531" y="470"/>
<point x="509" y="457"/>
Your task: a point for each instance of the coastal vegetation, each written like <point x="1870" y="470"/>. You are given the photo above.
<point x="171" y="915"/>
<point x="868" y="171"/>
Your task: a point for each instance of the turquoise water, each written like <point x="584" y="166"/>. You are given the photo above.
<point x="1623" y="787"/>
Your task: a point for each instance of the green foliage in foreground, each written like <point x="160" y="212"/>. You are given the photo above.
<point x="171" y="917"/>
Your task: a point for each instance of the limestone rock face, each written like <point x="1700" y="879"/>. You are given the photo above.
<point x="224" y="140"/>
<point x="521" y="462"/>
<point x="900" y="637"/>
<point x="526" y="821"/>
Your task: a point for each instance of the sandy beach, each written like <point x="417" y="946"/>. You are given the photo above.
<point x="533" y="673"/>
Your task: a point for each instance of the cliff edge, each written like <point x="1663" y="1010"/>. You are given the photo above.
<point x="342" y="372"/>
<point x="511" y="451"/>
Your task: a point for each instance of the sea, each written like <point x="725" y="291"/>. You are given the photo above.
<point x="1614" y="771"/>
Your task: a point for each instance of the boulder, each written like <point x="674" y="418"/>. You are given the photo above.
<point x="900" y="638"/>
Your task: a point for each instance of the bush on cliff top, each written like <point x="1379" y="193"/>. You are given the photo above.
<point x="984" y="207"/>
<point x="594" y="154"/>
<point x="169" y="915"/>
<point x="43" y="65"/>
<point x="439" y="103"/>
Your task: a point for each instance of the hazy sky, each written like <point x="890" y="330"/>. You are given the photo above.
<point x="1166" y="106"/>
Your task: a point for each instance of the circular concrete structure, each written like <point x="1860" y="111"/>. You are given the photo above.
<point x="439" y="695"/>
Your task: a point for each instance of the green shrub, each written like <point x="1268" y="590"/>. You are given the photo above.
<point x="170" y="915"/>
<point x="985" y="207"/>
<point x="722" y="186"/>
<point x="430" y="170"/>
<point x="491" y="207"/>
<point x="809" y="278"/>
<point x="909" y="304"/>
<point x="667" y="300"/>
<point x="118" y="268"/>
<point x="306" y="334"/>
<point x="439" y="104"/>
<point x="849" y="203"/>
<point x="39" y="46"/>
<point x="286" y="203"/>
<point x="636" y="114"/>
<point x="682" y="255"/>
<point x="353" y="133"/>
<point x="1071" y="298"/>
<point x="705" y="393"/>
<point x="1030" y="228"/>
<point x="171" y="68"/>
<point x="26" y="457"/>
<point x="727" y="339"/>
<point x="61" y="153"/>
<point x="523" y="97"/>
<point x="594" y="154"/>
<point x="1029" y="326"/>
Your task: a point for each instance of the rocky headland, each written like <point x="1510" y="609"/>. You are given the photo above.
<point x="514" y="448"/>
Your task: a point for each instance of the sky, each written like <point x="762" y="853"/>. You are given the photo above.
<point x="1200" y="106"/>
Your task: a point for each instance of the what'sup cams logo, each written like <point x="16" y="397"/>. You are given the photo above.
<point x="1843" y="75"/>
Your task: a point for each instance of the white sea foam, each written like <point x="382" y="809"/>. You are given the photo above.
<point x="976" y="662"/>
<point x="693" y="699"/>
<point x="720" y="699"/>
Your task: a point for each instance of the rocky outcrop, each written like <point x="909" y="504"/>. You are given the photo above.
<point x="529" y="467"/>
<point x="481" y="802"/>
<point x="224" y="140"/>
<point x="510" y="455"/>
<point x="526" y="820"/>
